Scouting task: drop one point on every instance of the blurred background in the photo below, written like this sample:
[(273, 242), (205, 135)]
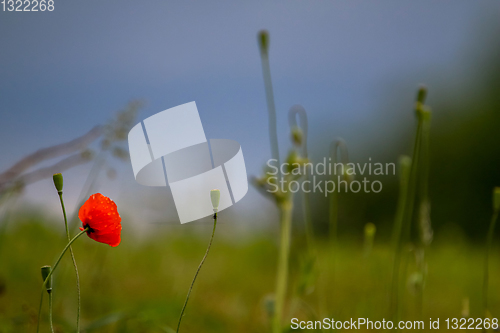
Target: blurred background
[(354, 66)]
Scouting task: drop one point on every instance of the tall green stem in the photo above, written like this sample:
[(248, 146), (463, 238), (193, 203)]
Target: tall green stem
[(196, 274), (409, 205), (489, 241), (74, 262), (299, 138), (44, 284), (266, 72), (337, 145), (424, 221), (283, 260), (406, 223), (405, 165)]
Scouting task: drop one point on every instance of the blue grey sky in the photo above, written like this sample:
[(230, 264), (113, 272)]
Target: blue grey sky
[(63, 72)]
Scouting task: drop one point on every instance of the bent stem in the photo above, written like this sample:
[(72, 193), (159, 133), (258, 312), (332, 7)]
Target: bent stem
[(486, 260), (283, 258), (197, 271), (44, 284), (74, 263)]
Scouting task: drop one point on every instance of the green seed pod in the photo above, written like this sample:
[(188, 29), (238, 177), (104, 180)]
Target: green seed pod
[(58, 181), (215, 197), (496, 199), (45, 272)]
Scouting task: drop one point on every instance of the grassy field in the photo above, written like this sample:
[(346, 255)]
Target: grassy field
[(140, 286)]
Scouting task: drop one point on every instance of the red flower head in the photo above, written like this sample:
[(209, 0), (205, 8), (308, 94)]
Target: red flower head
[(100, 215)]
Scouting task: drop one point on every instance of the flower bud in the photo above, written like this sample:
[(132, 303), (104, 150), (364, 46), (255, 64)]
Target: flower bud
[(58, 181), (422, 94), (215, 197), (45, 272), (263, 38), (496, 199)]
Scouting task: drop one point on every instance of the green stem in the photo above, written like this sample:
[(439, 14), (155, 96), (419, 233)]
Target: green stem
[(337, 145), (404, 175), (334, 205), (406, 217), (489, 241), (304, 127), (196, 274), (50, 312), (273, 133), (44, 284), (40, 311), (283, 260), (74, 263), (424, 218), (308, 221)]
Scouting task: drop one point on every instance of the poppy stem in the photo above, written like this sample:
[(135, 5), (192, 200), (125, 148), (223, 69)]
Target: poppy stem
[(44, 284), (50, 312), (197, 271), (74, 263)]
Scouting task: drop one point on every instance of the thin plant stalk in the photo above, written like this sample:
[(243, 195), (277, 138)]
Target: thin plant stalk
[(301, 141), (489, 242), (285, 206), (44, 284), (74, 262), (424, 207), (404, 175), (196, 274), (50, 313), (266, 72), (283, 261), (406, 225), (409, 205), (404, 171), (338, 144)]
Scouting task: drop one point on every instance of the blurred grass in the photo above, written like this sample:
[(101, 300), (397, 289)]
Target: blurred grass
[(140, 286)]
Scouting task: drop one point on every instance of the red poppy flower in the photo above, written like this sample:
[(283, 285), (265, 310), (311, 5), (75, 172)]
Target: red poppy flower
[(100, 215)]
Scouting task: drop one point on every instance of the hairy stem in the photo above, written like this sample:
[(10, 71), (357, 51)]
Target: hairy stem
[(44, 284), (74, 263), (50, 312), (196, 274)]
